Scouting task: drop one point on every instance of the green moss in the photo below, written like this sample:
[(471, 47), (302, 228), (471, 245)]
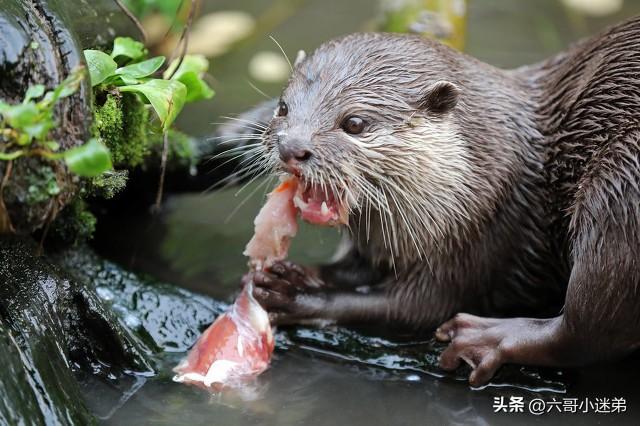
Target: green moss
[(42, 185), (108, 184), (74, 224), (122, 122), (107, 121)]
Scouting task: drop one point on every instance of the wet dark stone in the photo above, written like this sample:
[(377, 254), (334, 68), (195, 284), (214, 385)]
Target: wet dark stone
[(52, 326), (408, 356), (165, 317)]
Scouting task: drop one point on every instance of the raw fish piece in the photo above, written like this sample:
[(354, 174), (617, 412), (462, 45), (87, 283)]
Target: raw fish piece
[(275, 225), (234, 349), (239, 344)]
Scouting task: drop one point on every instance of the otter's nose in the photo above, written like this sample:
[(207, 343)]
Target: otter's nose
[(292, 152)]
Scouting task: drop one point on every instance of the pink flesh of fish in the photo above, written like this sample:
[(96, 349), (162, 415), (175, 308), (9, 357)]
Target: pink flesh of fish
[(238, 345), (275, 225), (234, 349)]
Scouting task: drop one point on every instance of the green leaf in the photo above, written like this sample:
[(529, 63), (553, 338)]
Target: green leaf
[(10, 155), (100, 66), (70, 84), (52, 145), (196, 63), (129, 48), (33, 92), (168, 7), (66, 88), (23, 139), (197, 89), (126, 80), (4, 106), (166, 96), (21, 115), (39, 129), (142, 69), (189, 73), (88, 160)]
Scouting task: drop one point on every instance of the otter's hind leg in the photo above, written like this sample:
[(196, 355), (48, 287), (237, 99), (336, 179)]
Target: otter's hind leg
[(601, 318)]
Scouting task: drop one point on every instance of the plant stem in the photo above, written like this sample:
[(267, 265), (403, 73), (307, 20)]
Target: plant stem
[(135, 20), (5, 220), (163, 170), (184, 39)]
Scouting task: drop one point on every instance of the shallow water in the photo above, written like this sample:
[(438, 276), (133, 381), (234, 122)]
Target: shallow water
[(313, 380)]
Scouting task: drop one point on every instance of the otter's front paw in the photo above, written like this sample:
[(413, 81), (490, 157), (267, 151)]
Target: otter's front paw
[(480, 342), (487, 343), (290, 293)]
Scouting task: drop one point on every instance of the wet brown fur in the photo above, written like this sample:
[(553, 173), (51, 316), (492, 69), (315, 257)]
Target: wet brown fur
[(549, 205)]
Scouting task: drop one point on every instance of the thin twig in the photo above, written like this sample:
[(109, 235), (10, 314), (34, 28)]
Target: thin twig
[(184, 39), (175, 19), (163, 170), (7, 175), (134, 18), (51, 214), (183, 43), (7, 226)]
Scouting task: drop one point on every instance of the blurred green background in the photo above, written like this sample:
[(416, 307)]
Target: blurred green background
[(505, 33)]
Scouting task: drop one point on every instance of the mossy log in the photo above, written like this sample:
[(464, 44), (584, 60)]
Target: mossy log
[(50, 324), (41, 43)]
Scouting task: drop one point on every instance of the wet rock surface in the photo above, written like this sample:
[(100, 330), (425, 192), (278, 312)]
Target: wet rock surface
[(164, 317), (411, 356), (50, 327)]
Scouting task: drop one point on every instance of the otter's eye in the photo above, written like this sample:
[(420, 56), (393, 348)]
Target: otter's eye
[(353, 125), (283, 109)]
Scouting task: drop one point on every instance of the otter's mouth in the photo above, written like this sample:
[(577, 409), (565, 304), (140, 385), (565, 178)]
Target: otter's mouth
[(320, 206)]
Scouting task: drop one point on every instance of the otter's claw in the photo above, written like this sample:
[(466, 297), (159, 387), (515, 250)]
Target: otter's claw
[(289, 292), (480, 342)]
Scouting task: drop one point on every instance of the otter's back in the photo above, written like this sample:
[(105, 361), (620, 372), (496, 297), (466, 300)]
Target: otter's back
[(590, 104)]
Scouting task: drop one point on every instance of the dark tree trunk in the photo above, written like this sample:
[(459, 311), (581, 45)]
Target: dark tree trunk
[(41, 42)]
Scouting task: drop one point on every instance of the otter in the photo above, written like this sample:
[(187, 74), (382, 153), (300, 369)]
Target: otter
[(499, 207)]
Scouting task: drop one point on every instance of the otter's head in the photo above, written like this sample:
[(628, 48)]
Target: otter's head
[(369, 124)]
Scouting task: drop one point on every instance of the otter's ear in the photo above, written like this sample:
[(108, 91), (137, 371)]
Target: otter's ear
[(301, 56), (441, 97)]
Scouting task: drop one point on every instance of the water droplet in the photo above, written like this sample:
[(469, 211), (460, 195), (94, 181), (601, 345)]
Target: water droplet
[(132, 321), (105, 294)]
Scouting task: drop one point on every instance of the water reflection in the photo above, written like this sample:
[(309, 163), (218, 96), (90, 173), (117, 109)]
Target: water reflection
[(302, 389), (297, 391)]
